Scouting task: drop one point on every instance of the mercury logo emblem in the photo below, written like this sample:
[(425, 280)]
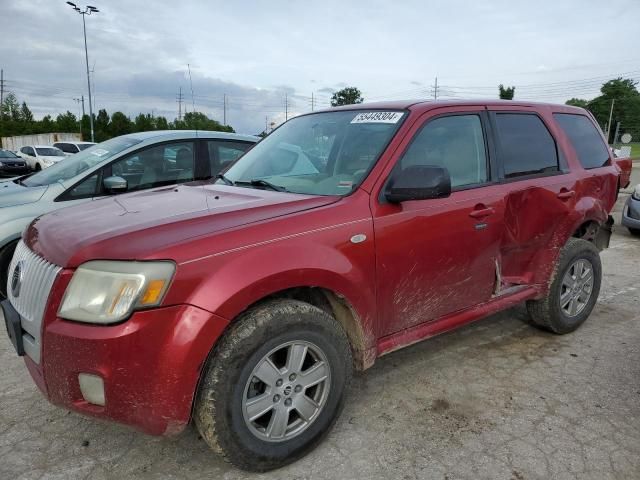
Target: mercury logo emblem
[(16, 279)]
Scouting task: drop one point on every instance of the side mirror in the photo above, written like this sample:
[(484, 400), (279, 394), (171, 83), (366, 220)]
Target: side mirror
[(115, 184), (418, 182)]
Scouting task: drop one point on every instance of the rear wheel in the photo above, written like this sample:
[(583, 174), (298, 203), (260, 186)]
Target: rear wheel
[(634, 231), (574, 290), (274, 385), (6, 254)]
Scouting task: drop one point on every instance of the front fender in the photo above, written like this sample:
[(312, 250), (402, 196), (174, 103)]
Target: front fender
[(228, 284)]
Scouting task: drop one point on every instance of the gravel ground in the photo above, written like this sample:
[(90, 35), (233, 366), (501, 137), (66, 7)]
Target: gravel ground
[(498, 399)]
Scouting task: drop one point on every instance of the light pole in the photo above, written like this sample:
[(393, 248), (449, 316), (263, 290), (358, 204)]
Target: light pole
[(88, 10)]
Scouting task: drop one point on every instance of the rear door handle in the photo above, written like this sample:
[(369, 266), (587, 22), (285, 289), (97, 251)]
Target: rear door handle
[(481, 212), (566, 194)]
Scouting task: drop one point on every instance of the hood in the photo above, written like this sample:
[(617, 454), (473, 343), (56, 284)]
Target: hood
[(12, 194), (133, 226)]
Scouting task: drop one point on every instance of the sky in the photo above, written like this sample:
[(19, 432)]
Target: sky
[(259, 53)]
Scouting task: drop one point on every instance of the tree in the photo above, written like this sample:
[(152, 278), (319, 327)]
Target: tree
[(11, 107), (47, 125), (120, 124), (625, 98), (101, 126), (66, 122), (144, 122), (578, 102), (25, 114), (161, 123), (506, 93), (199, 121), (346, 96)]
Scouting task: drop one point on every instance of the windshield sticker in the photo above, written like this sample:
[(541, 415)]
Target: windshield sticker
[(377, 117), (345, 184), (100, 152)]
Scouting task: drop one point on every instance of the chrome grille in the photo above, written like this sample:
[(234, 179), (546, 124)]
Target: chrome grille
[(32, 284)]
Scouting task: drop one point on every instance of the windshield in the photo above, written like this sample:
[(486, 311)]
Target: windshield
[(327, 153), (7, 154), (78, 163), (84, 146), (49, 152)]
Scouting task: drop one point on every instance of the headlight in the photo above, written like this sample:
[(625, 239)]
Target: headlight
[(105, 291), (636, 193)]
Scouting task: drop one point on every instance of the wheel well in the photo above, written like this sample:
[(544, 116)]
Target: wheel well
[(587, 231), (339, 308), (596, 233)]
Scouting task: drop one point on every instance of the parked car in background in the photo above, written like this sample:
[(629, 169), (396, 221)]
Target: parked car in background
[(12, 165), (631, 212), (39, 157), (123, 164), (344, 235), (69, 148)]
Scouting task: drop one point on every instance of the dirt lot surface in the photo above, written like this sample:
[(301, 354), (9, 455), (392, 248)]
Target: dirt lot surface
[(496, 400)]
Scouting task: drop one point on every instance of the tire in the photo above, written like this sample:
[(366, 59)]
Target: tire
[(38, 167), (634, 231), (6, 254), (548, 313), (230, 381)]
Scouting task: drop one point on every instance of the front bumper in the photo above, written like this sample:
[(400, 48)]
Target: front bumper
[(11, 171), (150, 365), (631, 213)]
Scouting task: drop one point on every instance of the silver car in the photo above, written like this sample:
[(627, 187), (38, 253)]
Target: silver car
[(631, 212), (123, 164)]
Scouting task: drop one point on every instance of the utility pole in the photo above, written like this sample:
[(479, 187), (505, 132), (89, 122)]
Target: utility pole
[(224, 109), (435, 90), (613, 101), (78, 100), (615, 135), (266, 124), (179, 100), (312, 101), (88, 10), (1, 94), (286, 107)]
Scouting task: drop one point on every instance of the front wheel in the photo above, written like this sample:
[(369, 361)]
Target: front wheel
[(574, 290), (38, 167), (274, 385)]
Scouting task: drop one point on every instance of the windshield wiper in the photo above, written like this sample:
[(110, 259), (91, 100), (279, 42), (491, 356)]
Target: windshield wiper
[(226, 180), (259, 182)]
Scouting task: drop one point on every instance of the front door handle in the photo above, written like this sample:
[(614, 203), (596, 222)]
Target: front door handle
[(481, 211), (566, 194)]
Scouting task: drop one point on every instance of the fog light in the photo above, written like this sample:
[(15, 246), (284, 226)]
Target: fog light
[(92, 388)]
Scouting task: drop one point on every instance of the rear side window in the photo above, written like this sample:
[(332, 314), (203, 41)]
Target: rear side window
[(526, 146), (585, 138), (224, 153)]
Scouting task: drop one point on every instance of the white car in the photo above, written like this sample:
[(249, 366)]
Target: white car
[(69, 148), (39, 157)]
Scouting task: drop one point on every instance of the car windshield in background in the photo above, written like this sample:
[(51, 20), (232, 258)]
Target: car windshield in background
[(50, 152), (80, 162), (7, 154), (84, 146), (327, 153)]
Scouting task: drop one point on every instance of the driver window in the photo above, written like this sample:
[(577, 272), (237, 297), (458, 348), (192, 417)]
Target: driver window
[(455, 143), (165, 164)]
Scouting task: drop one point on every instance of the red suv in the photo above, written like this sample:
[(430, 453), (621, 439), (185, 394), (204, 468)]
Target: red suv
[(245, 303)]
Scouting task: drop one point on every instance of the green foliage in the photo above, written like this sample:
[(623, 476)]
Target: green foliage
[(17, 119), (346, 96), (626, 107), (578, 102), (506, 93), (66, 122)]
